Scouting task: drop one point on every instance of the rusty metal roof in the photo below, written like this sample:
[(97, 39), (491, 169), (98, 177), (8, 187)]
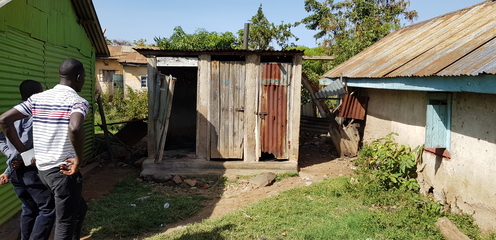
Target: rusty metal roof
[(124, 54), (462, 42)]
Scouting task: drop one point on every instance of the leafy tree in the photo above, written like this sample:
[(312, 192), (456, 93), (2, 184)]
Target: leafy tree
[(350, 26), (263, 33), (201, 39)]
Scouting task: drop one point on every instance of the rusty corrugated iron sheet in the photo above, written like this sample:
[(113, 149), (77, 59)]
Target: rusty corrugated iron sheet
[(124, 54), (275, 79), (353, 107), (457, 43), (274, 123)]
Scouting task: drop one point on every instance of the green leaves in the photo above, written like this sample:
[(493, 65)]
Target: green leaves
[(200, 39), (348, 27), (392, 164), (263, 34)]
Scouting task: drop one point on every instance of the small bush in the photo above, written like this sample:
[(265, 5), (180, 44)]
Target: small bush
[(119, 109), (391, 164)]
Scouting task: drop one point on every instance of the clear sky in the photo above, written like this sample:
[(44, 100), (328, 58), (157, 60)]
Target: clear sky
[(135, 19)]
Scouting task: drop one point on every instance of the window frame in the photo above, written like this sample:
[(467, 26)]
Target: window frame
[(438, 113)]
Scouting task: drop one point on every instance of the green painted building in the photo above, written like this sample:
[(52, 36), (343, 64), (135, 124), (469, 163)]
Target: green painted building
[(35, 37)]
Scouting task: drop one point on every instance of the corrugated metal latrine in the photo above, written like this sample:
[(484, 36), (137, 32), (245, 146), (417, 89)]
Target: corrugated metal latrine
[(274, 108), (27, 52)]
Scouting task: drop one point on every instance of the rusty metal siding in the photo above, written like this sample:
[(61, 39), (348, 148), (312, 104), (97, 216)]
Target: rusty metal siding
[(274, 108), (442, 46), (353, 107)]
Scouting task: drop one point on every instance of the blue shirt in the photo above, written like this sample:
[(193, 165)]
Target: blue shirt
[(24, 129)]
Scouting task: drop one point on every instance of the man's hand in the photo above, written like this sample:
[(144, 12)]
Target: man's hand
[(16, 164), (70, 166), (4, 179)]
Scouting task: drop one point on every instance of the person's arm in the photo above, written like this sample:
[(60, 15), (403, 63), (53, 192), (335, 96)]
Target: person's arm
[(4, 147), (7, 120), (77, 137), (5, 176)]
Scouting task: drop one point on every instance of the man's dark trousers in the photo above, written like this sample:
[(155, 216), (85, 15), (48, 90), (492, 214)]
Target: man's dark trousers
[(70, 206), (38, 212)]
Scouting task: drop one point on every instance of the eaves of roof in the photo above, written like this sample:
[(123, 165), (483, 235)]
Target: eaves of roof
[(86, 14)]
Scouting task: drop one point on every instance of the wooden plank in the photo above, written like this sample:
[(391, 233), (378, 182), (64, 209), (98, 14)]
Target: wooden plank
[(167, 97), (203, 97), (323, 58), (224, 110), (294, 111), (232, 105), (251, 128), (321, 106), (104, 128), (449, 230), (152, 74), (214, 111), (239, 112)]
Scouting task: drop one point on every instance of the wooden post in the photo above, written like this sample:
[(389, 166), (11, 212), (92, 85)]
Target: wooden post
[(152, 89), (294, 110), (449, 230), (202, 107), (321, 106), (104, 128), (251, 144)]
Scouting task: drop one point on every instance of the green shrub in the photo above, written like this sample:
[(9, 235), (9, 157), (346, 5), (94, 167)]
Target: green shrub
[(119, 109), (391, 164)]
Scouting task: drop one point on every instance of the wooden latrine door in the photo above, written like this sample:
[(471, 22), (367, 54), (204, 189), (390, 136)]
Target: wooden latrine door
[(273, 110), (227, 109)]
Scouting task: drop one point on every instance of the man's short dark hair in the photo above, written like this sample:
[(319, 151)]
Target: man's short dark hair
[(71, 67), (29, 87)]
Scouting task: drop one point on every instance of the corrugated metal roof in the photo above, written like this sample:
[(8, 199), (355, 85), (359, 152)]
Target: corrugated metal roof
[(124, 54), (334, 88), (458, 43), (89, 20), (147, 51)]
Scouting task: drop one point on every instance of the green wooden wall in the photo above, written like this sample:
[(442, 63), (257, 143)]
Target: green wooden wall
[(35, 37)]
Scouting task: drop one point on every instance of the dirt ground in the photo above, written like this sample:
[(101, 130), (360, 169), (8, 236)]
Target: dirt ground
[(317, 160)]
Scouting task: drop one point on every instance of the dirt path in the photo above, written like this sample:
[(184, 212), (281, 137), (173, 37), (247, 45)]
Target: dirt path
[(317, 161)]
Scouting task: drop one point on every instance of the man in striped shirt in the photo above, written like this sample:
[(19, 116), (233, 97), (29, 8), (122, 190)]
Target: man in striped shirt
[(58, 137)]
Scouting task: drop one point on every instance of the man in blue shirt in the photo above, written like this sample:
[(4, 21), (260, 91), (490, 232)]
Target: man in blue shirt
[(38, 206)]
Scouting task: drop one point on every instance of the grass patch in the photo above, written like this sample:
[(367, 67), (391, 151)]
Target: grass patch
[(328, 210), (281, 176), (133, 208)]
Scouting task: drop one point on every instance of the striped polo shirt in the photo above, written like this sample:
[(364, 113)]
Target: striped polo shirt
[(51, 111)]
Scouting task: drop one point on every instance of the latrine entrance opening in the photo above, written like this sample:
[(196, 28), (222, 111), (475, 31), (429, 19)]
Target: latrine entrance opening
[(182, 122)]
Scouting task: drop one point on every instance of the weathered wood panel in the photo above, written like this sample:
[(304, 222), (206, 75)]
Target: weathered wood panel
[(227, 96), (252, 150), (214, 111), (203, 93), (167, 84), (294, 110), (152, 75)]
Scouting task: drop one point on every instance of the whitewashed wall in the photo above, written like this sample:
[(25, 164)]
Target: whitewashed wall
[(466, 181)]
